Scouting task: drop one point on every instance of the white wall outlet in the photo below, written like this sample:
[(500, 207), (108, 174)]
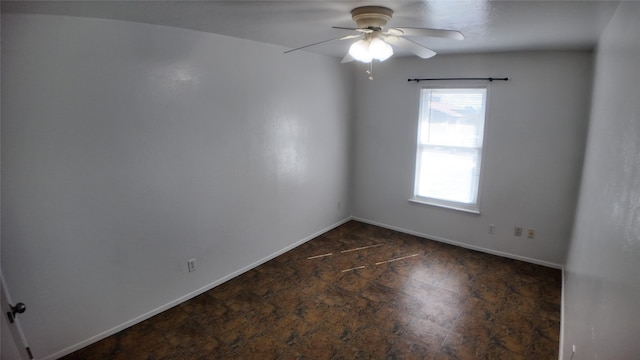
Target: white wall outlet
[(532, 233), (492, 229), (517, 231), (191, 264)]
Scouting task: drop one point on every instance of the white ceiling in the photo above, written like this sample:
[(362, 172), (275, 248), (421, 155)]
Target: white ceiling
[(488, 26)]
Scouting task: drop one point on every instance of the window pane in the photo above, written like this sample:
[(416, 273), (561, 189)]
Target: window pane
[(453, 117), (450, 135), (448, 174)]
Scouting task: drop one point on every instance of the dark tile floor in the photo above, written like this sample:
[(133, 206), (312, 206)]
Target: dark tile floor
[(360, 292)]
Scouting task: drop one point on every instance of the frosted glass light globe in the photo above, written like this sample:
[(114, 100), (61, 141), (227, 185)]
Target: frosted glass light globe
[(359, 50), (380, 50)]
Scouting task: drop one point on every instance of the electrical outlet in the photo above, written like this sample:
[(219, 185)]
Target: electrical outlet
[(191, 264), (492, 229), (532, 233), (517, 231)]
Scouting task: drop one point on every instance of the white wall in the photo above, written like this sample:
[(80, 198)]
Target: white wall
[(533, 150), (129, 148), (602, 277)]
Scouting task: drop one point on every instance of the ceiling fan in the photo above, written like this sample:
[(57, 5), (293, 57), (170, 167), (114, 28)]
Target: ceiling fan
[(377, 44)]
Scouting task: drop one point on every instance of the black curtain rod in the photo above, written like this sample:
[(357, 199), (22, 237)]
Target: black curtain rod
[(433, 79)]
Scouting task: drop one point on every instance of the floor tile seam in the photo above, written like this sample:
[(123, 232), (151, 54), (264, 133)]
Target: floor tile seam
[(444, 341), (451, 328), (483, 339), (413, 337)]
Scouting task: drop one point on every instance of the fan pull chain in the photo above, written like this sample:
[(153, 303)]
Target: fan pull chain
[(370, 71)]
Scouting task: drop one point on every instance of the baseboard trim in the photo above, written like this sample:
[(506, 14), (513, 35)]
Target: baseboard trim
[(460, 244), (189, 296), (562, 313)]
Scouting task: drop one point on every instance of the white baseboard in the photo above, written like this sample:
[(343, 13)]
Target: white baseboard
[(460, 244), (188, 296)]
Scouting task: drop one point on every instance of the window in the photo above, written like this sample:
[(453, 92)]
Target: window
[(449, 150)]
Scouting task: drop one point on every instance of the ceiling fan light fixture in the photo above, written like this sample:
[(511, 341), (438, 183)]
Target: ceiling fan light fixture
[(380, 50), (367, 50), (359, 50)]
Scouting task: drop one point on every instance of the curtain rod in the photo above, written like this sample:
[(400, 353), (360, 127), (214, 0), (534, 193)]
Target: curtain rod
[(432, 79)]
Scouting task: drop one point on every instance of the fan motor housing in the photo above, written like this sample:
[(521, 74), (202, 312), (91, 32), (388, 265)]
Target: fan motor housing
[(371, 16)]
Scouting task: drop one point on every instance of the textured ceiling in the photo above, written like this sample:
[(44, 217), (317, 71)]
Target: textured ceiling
[(488, 26)]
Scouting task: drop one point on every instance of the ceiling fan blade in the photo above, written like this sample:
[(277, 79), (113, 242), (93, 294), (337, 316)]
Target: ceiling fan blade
[(437, 33), (347, 58), (323, 41), (363, 30), (410, 46)]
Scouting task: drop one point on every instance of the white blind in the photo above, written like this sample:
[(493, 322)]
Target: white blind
[(450, 135)]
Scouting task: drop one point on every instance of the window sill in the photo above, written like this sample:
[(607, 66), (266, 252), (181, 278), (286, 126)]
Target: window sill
[(450, 206)]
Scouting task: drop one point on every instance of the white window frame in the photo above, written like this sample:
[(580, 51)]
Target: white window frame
[(461, 206)]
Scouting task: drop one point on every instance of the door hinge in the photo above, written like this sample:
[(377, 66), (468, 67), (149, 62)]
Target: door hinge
[(29, 352)]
